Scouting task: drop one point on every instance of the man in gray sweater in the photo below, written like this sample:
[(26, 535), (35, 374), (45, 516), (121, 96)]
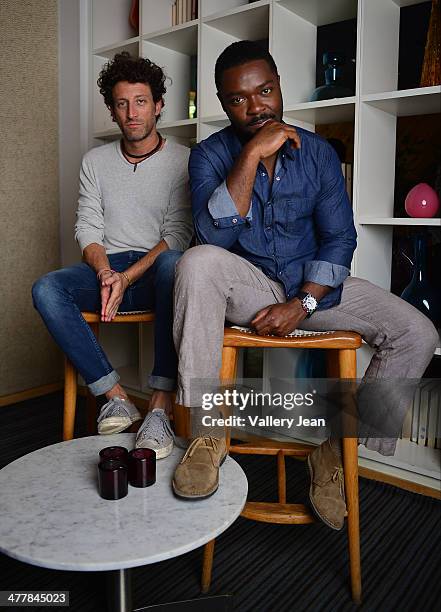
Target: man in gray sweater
[(133, 222)]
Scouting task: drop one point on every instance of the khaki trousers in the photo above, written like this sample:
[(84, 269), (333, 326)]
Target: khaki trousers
[(213, 285)]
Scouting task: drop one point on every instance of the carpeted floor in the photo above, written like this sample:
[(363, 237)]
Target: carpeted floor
[(268, 568)]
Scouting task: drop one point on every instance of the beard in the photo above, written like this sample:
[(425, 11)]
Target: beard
[(136, 136)]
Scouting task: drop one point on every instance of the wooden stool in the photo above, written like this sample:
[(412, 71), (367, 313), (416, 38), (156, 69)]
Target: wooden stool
[(70, 373), (341, 359)]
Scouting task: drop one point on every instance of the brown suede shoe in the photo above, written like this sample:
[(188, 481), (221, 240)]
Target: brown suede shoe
[(197, 475), (326, 493)]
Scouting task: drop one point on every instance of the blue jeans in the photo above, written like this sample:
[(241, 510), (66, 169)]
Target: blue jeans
[(60, 297)]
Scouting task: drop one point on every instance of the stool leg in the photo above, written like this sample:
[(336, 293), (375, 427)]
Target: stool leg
[(91, 407), (70, 399), (348, 369), (281, 477), (227, 374), (332, 365), (207, 566), (350, 467), (181, 421)]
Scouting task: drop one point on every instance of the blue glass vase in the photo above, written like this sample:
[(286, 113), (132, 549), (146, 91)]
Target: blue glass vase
[(333, 76), (420, 292)]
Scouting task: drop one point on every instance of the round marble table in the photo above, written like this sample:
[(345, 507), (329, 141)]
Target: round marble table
[(52, 515)]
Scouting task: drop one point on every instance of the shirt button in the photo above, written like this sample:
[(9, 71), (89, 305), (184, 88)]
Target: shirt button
[(277, 178), (268, 229), (268, 203), (262, 174)]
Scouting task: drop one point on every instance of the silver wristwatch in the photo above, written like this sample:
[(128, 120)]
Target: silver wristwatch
[(308, 302)]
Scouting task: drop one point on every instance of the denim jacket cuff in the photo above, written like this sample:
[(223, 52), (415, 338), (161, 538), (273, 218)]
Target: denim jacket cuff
[(325, 273)]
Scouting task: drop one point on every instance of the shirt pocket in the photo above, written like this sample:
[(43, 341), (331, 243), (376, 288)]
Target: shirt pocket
[(299, 214)]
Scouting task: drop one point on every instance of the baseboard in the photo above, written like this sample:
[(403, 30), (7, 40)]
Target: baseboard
[(21, 396)]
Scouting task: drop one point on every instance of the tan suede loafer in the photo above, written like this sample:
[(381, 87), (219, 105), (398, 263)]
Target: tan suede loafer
[(197, 474), (326, 492)]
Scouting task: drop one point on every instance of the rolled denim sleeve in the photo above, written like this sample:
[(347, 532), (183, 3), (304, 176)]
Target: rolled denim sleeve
[(334, 225), (325, 273), (221, 205), (215, 215)]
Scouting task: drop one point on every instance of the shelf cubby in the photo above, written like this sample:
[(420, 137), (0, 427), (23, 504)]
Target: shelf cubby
[(177, 67), (247, 22), (182, 38), (208, 8), (155, 16), (101, 119), (321, 13), (110, 22), (405, 102), (337, 110), (302, 30), (131, 45), (385, 40)]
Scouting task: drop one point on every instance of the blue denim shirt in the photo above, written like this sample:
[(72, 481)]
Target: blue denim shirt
[(298, 228)]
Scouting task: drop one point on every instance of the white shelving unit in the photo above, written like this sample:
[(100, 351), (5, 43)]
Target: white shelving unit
[(290, 26)]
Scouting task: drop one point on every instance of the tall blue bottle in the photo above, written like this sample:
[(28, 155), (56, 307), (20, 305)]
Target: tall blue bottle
[(420, 292)]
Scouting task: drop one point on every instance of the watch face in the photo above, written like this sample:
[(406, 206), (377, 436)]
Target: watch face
[(310, 302)]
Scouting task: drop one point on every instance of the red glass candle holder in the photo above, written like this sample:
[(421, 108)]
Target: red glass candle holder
[(119, 453), (142, 467), (112, 479)]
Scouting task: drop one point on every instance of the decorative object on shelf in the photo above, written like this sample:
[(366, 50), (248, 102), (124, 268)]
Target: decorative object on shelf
[(431, 72), (333, 74), (134, 15), (420, 292), (422, 201), (192, 114)]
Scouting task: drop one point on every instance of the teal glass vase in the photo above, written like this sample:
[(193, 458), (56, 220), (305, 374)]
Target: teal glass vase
[(333, 78)]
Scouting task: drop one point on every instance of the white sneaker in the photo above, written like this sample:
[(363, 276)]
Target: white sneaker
[(117, 415), (156, 433)]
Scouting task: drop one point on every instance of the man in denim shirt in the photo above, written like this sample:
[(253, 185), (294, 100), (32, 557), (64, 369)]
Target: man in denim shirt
[(276, 236)]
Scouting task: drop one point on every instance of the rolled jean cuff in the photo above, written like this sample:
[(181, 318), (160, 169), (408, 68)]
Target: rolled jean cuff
[(105, 383), (161, 383)]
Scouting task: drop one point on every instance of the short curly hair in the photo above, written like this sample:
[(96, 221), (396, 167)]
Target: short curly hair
[(242, 52), (124, 67)]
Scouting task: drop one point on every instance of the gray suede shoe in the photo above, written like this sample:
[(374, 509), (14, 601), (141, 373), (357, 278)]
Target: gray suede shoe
[(326, 492), (117, 415), (197, 475)]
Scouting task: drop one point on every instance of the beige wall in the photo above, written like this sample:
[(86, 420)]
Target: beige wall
[(29, 227)]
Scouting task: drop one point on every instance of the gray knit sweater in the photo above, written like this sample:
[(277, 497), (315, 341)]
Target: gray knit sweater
[(125, 210)]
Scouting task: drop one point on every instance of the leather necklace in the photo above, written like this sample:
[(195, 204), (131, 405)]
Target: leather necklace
[(141, 157)]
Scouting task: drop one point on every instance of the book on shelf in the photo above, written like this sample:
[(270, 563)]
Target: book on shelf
[(194, 9), (183, 11)]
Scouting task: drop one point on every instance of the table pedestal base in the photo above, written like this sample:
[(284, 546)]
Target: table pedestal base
[(119, 598), (119, 591), (218, 603)]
